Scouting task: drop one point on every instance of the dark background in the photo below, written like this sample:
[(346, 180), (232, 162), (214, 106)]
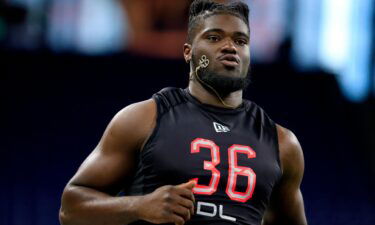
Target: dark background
[(55, 106)]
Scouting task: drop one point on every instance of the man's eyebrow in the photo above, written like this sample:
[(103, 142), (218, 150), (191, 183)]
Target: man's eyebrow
[(218, 30)]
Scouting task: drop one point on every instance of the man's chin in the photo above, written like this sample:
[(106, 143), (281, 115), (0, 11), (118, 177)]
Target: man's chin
[(225, 83), (231, 74)]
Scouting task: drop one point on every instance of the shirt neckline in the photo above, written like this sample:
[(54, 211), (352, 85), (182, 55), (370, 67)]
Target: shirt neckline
[(212, 108)]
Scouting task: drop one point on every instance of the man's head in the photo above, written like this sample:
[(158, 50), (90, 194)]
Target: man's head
[(202, 9), (221, 32)]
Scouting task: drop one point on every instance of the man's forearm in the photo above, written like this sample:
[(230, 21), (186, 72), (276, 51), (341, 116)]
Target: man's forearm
[(86, 206)]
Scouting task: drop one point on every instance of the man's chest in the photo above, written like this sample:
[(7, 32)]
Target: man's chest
[(226, 159)]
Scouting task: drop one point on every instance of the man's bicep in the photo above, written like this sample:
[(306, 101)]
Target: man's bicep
[(103, 172), (286, 203), (113, 161)]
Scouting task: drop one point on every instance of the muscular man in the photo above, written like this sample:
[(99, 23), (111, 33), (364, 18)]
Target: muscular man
[(200, 155)]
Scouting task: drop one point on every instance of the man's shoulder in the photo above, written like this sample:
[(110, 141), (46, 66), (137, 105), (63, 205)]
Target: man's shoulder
[(289, 146), (133, 122), (141, 106), (135, 111), (286, 136)]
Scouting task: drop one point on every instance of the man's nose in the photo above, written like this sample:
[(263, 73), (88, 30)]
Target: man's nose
[(229, 47)]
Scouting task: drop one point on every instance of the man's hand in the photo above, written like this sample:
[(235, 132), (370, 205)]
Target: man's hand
[(168, 204)]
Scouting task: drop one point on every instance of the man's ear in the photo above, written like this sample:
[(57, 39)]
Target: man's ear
[(187, 52)]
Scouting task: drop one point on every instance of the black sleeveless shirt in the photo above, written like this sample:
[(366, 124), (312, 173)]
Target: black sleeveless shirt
[(232, 154)]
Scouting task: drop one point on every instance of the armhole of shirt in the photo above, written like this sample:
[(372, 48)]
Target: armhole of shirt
[(153, 133), (277, 147), (164, 100)]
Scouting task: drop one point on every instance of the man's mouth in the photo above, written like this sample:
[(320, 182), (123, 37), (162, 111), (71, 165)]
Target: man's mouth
[(229, 60)]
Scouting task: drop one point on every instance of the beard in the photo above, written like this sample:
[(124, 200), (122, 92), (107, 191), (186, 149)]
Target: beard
[(223, 85)]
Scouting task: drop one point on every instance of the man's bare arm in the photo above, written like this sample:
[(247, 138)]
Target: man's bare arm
[(286, 204), (89, 198)]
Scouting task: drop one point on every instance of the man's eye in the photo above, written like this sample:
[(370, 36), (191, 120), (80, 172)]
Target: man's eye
[(213, 38), (241, 42)]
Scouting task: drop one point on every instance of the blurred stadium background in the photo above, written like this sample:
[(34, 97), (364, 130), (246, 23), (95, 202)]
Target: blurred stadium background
[(67, 66)]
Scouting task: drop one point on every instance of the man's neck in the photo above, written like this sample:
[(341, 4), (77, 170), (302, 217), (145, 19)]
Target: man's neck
[(233, 100)]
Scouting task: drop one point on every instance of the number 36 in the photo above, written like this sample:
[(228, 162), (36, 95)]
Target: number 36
[(234, 170)]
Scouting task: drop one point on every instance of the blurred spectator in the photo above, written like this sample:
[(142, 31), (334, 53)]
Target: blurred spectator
[(158, 27)]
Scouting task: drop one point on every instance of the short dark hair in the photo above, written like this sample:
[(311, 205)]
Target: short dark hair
[(202, 9)]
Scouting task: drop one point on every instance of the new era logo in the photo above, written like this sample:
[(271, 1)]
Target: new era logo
[(220, 128)]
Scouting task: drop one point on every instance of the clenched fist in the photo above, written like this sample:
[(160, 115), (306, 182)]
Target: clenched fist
[(168, 204)]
